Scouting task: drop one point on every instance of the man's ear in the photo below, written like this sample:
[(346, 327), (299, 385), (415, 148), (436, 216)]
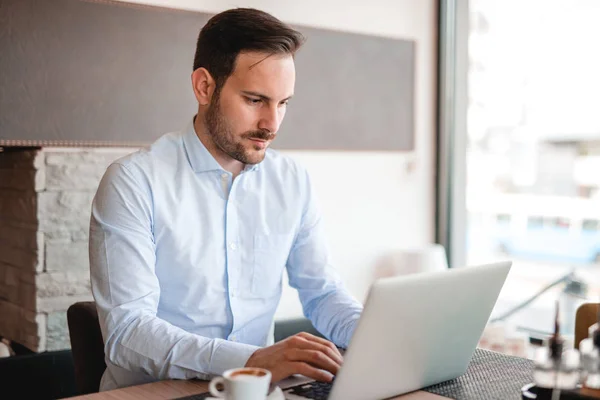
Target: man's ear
[(203, 85)]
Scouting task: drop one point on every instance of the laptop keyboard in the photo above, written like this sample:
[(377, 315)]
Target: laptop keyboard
[(312, 390)]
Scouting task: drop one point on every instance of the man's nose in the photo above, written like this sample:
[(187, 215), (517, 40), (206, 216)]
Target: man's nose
[(270, 120)]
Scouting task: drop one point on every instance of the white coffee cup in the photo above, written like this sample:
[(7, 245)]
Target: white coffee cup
[(242, 384)]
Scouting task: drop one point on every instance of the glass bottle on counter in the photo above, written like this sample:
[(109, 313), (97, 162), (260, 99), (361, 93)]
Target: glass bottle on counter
[(590, 358), (555, 367)]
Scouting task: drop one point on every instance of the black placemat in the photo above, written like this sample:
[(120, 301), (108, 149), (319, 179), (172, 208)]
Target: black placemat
[(490, 375)]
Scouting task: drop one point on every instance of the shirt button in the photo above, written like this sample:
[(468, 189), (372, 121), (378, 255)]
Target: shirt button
[(224, 176), (232, 246), (233, 338)]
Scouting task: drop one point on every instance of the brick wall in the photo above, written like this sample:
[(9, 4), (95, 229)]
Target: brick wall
[(45, 200)]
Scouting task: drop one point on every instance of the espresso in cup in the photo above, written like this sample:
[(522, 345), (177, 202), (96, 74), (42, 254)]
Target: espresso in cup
[(248, 372), (242, 384)]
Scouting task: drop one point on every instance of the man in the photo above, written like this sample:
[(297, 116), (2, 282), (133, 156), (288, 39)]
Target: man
[(189, 237)]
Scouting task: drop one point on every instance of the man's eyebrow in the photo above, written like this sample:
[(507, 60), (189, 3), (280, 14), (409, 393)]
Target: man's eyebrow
[(262, 96)]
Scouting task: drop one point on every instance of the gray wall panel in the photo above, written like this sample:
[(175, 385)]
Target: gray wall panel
[(97, 73)]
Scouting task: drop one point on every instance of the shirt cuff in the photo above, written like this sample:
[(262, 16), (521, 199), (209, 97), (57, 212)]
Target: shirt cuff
[(350, 332), (229, 355)]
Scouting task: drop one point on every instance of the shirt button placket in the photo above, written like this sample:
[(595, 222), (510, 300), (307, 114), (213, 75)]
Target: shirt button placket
[(233, 257), (225, 183)]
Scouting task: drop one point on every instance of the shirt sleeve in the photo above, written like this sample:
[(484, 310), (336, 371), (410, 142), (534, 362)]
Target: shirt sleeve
[(127, 290), (325, 300)]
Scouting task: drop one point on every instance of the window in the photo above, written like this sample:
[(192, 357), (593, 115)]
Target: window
[(535, 222), (557, 222), (503, 218), (533, 153), (590, 225)]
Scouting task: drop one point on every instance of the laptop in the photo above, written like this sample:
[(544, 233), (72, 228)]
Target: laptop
[(415, 331)]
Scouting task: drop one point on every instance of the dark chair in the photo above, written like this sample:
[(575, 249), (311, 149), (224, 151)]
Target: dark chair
[(290, 327), (41, 376), (86, 345), (88, 348), (586, 316)]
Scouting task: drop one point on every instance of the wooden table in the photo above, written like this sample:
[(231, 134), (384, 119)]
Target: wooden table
[(174, 389)]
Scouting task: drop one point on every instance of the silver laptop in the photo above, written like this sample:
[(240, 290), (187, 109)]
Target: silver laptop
[(415, 331)]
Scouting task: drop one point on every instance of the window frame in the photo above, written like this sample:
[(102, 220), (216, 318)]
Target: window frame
[(451, 140)]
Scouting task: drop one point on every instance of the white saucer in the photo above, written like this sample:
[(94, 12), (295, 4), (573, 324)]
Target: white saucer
[(276, 394)]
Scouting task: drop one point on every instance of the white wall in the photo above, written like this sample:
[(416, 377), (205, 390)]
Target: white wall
[(373, 202)]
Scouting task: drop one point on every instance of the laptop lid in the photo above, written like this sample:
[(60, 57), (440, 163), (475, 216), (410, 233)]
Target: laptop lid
[(418, 330)]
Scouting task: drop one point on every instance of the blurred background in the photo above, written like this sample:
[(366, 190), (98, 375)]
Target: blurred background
[(533, 154), (502, 155)]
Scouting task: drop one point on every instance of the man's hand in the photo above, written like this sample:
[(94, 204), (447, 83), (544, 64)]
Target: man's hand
[(303, 353)]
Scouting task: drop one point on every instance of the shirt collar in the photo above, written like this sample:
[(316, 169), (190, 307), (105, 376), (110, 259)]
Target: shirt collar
[(200, 158)]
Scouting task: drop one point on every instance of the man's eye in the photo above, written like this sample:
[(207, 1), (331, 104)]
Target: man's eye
[(253, 101)]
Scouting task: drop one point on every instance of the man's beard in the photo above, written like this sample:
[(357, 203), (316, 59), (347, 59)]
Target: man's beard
[(221, 133)]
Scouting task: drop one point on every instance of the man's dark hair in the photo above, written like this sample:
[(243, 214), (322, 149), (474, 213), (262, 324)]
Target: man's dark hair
[(231, 32)]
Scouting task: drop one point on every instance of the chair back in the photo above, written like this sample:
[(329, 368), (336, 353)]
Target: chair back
[(586, 316), (290, 327), (86, 345)]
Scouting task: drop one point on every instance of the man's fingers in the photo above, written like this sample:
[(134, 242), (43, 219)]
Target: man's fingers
[(320, 340), (315, 358), (323, 342), (289, 368), (302, 343), (310, 371)]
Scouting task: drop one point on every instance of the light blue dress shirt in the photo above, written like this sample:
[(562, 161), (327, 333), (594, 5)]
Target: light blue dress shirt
[(187, 264)]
